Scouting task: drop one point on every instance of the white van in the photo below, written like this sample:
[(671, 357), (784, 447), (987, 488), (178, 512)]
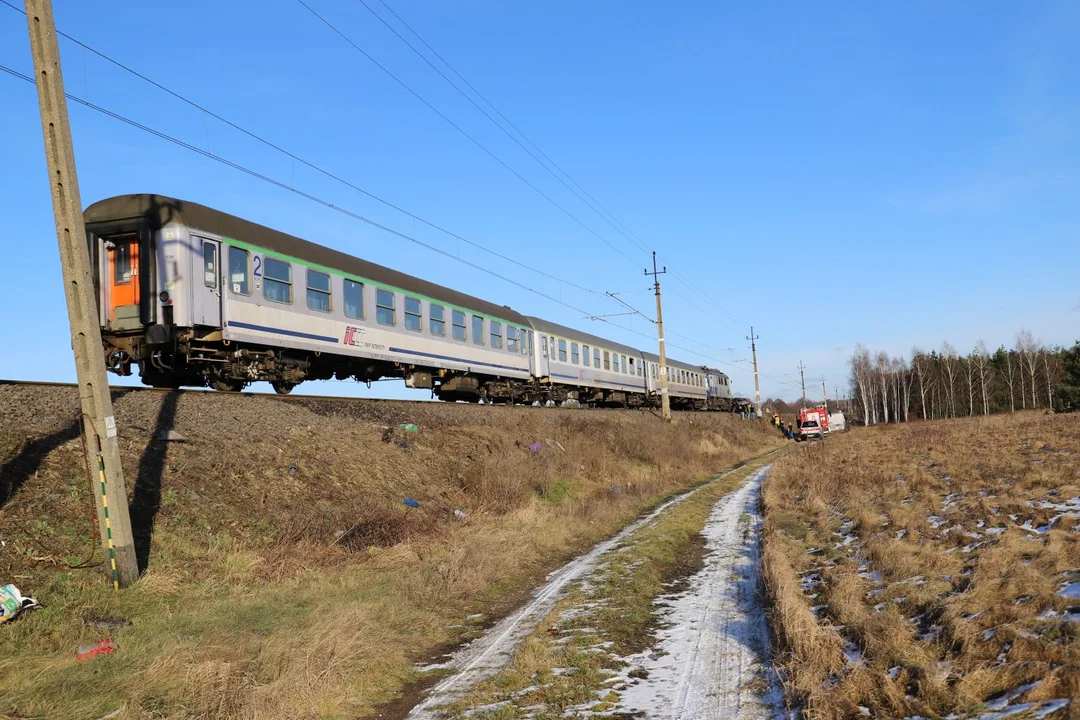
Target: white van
[(837, 423)]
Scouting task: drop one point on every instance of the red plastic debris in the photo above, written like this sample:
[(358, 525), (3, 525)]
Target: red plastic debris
[(85, 652)]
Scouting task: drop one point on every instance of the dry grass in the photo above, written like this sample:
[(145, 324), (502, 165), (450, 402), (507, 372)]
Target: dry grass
[(286, 577), (931, 555)]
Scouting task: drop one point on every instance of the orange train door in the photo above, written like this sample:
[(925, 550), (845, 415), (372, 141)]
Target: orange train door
[(123, 265)]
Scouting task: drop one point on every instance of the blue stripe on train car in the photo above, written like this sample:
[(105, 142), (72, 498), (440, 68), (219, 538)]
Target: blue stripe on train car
[(279, 331), (605, 382), (455, 359)]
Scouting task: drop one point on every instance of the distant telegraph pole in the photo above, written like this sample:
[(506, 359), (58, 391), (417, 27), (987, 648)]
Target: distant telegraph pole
[(802, 376), (665, 401), (757, 386), (824, 395), (98, 422)]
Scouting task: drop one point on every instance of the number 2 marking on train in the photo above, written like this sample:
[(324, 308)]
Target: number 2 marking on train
[(257, 262)]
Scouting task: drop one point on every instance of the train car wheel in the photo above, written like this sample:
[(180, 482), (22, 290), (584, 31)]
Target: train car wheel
[(282, 388)]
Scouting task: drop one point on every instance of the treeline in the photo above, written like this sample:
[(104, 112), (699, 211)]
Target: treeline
[(944, 383)]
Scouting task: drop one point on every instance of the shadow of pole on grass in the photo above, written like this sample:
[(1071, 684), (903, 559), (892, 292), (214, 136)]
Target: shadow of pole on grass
[(147, 497)]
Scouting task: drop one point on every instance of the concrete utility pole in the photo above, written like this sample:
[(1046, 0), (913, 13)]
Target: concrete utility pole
[(757, 387), (665, 400), (98, 422), (802, 376), (824, 396)]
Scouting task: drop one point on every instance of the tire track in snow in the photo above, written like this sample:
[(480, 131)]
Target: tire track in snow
[(711, 658), (484, 657)]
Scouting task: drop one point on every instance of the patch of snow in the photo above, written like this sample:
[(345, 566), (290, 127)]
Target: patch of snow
[(935, 521), (1071, 591), (852, 654), (716, 640)]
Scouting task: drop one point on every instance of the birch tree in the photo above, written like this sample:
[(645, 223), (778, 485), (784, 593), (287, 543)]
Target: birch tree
[(1029, 358), (949, 362), (981, 360)]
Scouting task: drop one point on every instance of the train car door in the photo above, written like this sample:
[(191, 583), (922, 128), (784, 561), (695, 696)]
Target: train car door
[(122, 291), (542, 357), (206, 305)]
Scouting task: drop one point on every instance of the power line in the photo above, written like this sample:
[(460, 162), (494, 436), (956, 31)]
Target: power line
[(308, 163), (285, 186), (606, 215), (356, 216), (612, 220), (482, 111), (635, 239), (461, 130)]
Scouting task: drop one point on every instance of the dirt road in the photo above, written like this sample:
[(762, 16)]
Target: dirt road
[(708, 661), (711, 658)]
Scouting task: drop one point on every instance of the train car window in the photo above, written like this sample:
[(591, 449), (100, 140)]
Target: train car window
[(622, 360), (526, 341), (596, 358), (121, 263), (585, 357), (354, 299), (640, 371), (496, 334), (574, 353), (543, 344), (277, 280), (318, 291), (511, 338), (562, 350), (239, 271), (438, 325), (607, 360), (413, 320), (384, 307), (458, 319), (209, 259), (477, 330), (632, 366)]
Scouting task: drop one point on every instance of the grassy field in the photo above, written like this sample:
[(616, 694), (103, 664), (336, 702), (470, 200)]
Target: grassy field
[(924, 570), (285, 576)]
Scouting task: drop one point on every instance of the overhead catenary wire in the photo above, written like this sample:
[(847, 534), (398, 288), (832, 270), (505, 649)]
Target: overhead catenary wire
[(466, 134), (307, 163), (484, 112), (606, 214), (297, 191), (339, 179), (345, 182), (337, 208)]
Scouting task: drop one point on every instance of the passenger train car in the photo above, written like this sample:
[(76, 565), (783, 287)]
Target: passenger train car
[(195, 297)]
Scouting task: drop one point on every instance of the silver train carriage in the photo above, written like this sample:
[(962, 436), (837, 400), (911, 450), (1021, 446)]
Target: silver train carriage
[(194, 296)]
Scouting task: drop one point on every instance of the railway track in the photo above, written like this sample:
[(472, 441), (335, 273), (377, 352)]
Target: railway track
[(294, 398), (245, 393)]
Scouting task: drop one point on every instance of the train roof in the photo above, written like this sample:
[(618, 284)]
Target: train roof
[(160, 211), (713, 371), (584, 337), (673, 363)]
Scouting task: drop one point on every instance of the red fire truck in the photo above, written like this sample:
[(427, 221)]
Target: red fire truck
[(813, 423)]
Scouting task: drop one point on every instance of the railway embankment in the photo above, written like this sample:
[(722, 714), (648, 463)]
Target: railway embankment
[(285, 573)]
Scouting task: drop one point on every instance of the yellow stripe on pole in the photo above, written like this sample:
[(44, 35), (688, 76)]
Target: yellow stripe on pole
[(108, 525)]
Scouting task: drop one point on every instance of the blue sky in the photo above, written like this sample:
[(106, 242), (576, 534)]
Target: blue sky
[(835, 174)]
